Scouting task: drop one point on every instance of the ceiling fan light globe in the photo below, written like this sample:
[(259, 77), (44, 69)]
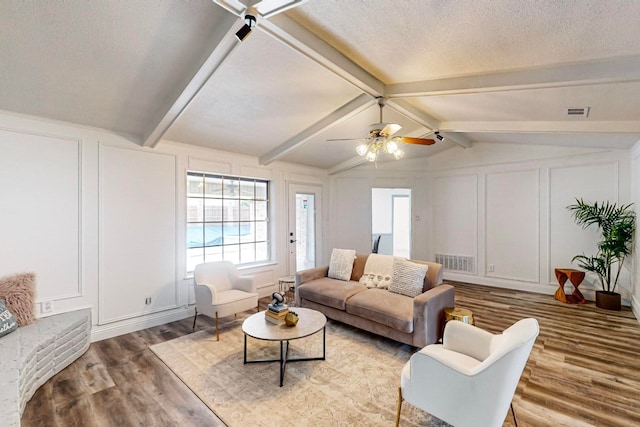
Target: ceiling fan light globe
[(362, 149), (398, 154), (370, 156), (392, 147)]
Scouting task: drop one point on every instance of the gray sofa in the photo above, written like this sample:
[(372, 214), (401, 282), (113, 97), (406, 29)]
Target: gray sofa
[(415, 321)]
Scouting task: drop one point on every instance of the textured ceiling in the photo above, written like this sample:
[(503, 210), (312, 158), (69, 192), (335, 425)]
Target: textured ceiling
[(480, 71)]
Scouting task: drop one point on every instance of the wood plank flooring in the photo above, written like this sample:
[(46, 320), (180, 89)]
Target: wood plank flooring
[(584, 370)]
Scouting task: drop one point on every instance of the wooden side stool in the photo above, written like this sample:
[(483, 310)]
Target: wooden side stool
[(575, 278)]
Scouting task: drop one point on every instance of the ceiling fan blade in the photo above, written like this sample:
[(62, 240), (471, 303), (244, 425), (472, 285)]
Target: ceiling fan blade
[(390, 129), (418, 141)]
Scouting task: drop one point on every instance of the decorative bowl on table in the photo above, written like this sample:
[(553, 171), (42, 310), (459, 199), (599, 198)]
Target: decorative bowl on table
[(291, 319)]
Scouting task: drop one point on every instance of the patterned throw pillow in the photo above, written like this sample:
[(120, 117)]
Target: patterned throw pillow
[(341, 264), (407, 278), (8, 322)]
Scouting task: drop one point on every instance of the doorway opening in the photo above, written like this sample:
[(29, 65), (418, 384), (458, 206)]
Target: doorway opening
[(304, 227), (391, 221)]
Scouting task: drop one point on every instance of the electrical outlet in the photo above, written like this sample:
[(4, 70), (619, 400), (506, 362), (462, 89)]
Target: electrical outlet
[(147, 301), (492, 268), (46, 307)]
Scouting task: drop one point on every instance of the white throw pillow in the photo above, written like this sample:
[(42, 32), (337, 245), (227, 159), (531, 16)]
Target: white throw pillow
[(377, 271), (407, 278), (341, 264)]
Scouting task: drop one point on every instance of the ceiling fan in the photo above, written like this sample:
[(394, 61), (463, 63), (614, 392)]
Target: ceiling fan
[(383, 139)]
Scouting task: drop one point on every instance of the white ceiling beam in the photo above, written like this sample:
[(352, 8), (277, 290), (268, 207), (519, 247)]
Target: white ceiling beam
[(221, 45), (624, 69), (577, 126), (347, 111), (405, 108), (266, 8), (294, 35), (347, 164)]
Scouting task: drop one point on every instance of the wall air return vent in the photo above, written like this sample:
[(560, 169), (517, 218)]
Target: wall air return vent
[(578, 112), (457, 263)]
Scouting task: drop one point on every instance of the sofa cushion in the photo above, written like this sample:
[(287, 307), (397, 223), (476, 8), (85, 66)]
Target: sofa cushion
[(341, 264), (384, 307), (329, 292)]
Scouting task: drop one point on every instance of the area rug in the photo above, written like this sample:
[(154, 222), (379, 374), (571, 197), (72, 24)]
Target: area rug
[(356, 385)]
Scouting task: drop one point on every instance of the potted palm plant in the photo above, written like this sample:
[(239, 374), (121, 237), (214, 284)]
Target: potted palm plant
[(617, 226)]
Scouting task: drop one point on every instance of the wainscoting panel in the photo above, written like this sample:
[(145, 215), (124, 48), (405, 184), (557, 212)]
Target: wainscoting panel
[(40, 229), (592, 182), (455, 215), (513, 225), (137, 233)]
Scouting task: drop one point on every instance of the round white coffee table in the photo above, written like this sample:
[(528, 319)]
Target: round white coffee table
[(309, 323)]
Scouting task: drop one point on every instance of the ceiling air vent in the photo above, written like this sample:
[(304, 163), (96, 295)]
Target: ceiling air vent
[(578, 112)]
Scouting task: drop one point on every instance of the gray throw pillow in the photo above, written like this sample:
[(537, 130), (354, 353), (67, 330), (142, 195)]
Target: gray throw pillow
[(8, 322)]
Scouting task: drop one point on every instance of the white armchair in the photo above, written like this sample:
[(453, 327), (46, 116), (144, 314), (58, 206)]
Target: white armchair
[(221, 291), (471, 378)]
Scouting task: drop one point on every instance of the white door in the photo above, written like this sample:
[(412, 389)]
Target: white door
[(304, 226)]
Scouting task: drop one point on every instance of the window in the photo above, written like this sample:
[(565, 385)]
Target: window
[(227, 219)]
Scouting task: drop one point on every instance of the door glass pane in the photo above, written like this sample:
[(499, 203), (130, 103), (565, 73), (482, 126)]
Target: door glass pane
[(305, 232)]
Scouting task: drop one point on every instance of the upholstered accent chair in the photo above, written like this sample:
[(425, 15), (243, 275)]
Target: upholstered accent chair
[(221, 291), (470, 379)]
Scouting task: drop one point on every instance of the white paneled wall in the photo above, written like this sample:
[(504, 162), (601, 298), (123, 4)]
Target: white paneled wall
[(592, 181), (351, 215), (101, 221), (137, 233), (512, 228), (455, 214), (524, 229), (40, 227)]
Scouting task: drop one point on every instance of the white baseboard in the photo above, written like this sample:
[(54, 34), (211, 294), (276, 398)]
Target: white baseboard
[(588, 292), (501, 283), (101, 332)]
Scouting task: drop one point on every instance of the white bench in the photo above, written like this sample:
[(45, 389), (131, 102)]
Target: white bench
[(34, 353)]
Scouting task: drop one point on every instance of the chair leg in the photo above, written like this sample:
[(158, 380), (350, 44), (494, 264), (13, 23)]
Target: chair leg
[(514, 415), (400, 399), (194, 319), (217, 333)]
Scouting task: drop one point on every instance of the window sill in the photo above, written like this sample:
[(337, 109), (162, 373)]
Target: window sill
[(247, 267)]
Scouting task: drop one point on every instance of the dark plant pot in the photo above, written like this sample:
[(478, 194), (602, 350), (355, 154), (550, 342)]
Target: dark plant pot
[(608, 300)]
